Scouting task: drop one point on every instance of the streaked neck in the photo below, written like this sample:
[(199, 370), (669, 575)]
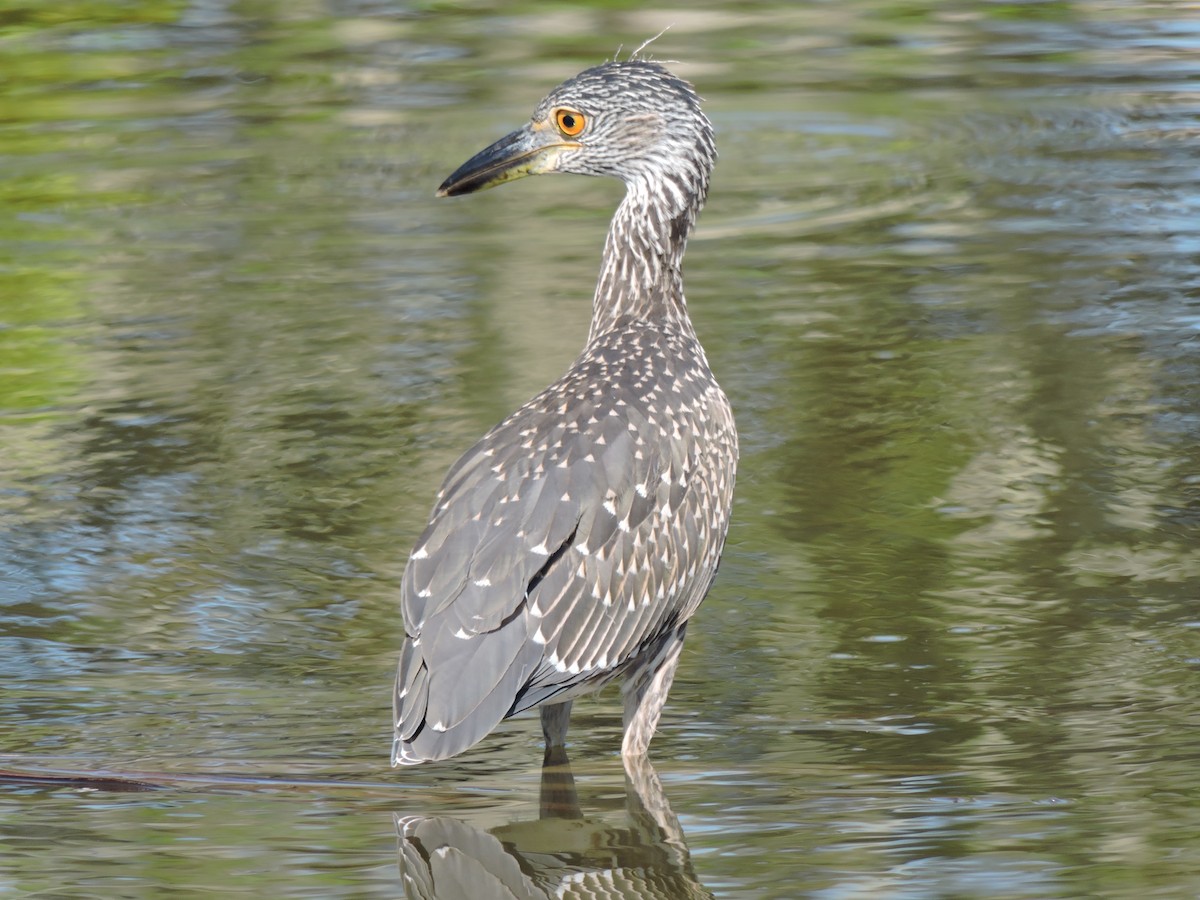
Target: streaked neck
[(640, 274)]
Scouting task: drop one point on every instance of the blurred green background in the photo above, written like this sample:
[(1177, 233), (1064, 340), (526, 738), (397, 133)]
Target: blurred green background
[(949, 275)]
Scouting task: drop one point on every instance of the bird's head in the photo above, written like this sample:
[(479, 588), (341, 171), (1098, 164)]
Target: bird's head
[(630, 120)]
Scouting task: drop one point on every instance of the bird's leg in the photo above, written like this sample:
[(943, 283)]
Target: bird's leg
[(555, 719), (645, 691)]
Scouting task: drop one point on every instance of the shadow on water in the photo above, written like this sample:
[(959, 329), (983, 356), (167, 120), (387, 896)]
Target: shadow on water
[(562, 853), (34, 772)]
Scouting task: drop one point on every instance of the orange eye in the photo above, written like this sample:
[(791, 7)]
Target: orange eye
[(569, 121)]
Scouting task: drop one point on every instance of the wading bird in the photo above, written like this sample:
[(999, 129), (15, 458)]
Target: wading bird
[(573, 543)]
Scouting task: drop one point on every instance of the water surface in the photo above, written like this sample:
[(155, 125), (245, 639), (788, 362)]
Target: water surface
[(949, 275)]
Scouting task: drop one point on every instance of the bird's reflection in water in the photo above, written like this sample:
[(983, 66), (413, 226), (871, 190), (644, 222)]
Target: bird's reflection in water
[(560, 854)]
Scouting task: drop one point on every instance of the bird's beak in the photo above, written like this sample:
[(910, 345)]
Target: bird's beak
[(527, 151)]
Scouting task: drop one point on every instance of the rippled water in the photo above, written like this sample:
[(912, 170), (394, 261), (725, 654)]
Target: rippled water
[(949, 274)]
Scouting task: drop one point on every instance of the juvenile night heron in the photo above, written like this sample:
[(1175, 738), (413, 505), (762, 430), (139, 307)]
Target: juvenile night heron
[(573, 543)]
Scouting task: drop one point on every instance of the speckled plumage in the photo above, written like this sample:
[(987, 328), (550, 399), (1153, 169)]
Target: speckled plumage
[(574, 541)]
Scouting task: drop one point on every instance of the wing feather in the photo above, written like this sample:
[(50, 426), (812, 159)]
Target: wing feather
[(560, 546)]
